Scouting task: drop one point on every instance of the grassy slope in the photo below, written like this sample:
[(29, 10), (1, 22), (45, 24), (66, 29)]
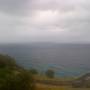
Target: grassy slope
[(42, 77), (44, 87), (49, 87)]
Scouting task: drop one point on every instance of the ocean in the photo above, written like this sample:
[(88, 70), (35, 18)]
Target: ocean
[(65, 59)]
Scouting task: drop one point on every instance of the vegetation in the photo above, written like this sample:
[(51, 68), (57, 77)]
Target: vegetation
[(7, 62), (13, 77), (45, 83), (41, 87), (34, 71), (83, 81), (50, 73)]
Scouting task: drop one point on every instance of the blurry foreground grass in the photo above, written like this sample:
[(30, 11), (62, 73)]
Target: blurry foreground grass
[(42, 86), (47, 87)]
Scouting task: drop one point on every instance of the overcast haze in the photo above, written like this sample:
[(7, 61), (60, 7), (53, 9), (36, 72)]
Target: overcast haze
[(44, 21)]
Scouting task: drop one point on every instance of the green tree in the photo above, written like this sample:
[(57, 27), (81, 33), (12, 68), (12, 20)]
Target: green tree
[(50, 73)]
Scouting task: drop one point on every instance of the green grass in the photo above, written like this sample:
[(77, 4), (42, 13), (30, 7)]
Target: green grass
[(49, 87), (42, 87), (43, 77)]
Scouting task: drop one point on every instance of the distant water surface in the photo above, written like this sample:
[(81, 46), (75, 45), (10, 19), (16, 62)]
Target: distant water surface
[(65, 59)]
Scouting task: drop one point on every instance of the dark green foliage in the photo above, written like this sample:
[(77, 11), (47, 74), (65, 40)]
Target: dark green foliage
[(12, 77), (50, 73), (34, 71), (6, 61)]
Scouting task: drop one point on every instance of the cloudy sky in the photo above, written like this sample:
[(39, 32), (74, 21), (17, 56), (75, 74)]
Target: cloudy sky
[(24, 21)]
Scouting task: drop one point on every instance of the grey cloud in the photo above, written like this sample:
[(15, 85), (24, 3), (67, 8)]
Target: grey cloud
[(76, 25), (44, 20), (14, 6), (63, 5)]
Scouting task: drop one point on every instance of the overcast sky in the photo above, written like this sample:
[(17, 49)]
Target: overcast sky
[(24, 21)]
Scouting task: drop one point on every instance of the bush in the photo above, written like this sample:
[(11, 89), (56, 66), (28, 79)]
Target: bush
[(7, 61), (16, 78), (34, 71), (50, 73)]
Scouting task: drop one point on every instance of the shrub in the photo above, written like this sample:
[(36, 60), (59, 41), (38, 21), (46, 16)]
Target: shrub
[(50, 73), (12, 77), (34, 71)]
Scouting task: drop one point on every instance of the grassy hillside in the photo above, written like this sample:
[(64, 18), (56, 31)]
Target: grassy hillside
[(13, 77), (45, 83), (48, 87)]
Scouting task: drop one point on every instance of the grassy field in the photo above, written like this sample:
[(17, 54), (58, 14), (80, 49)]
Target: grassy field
[(46, 87), (40, 77), (40, 86)]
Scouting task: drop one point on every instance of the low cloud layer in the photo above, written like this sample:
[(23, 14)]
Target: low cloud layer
[(44, 21)]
